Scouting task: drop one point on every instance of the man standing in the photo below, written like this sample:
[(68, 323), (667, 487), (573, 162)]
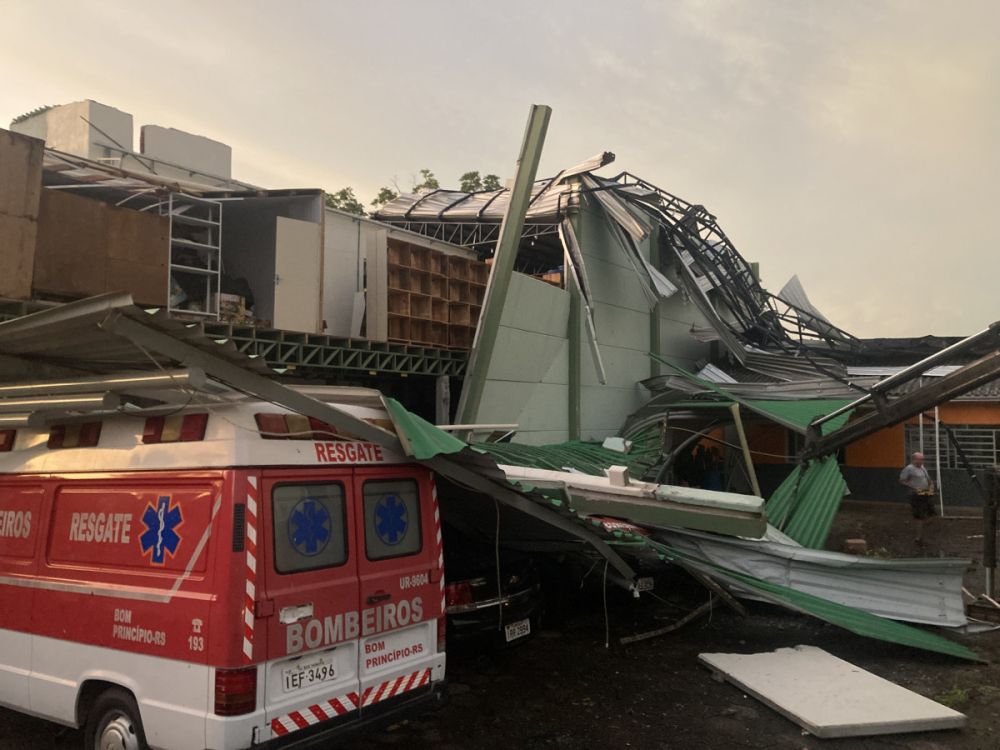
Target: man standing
[(915, 478)]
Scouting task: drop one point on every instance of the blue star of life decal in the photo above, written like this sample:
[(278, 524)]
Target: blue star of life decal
[(160, 537), (391, 520), (309, 527)]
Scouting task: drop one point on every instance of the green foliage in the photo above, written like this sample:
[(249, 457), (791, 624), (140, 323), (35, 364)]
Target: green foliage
[(427, 182), (491, 182), (345, 200), (385, 194), (471, 182)]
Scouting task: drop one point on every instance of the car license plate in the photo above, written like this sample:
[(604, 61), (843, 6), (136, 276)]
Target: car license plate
[(517, 630), (313, 672)]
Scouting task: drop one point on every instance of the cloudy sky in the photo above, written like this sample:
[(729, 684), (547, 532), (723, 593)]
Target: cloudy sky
[(856, 144)]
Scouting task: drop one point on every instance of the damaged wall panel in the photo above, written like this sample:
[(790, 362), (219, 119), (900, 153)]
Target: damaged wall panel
[(86, 247), (527, 381), (623, 316), (20, 186)]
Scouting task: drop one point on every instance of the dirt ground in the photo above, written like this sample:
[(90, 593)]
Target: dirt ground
[(564, 689)]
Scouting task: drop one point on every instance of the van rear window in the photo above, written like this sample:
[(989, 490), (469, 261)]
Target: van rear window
[(392, 518), (309, 527)]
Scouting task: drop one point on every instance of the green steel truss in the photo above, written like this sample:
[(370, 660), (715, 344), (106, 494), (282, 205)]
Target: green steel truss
[(314, 354)]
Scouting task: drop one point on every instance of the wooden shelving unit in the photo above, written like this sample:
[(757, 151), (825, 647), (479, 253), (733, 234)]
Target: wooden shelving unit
[(434, 299)]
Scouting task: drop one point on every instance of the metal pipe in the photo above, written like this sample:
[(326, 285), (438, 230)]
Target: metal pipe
[(503, 264), (937, 457), (919, 367), (735, 409), (60, 403), (191, 377)]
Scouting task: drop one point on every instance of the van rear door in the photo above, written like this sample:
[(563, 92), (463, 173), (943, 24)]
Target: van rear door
[(400, 573), (312, 596)]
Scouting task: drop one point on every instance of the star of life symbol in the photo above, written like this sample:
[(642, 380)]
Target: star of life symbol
[(391, 520), (160, 537), (309, 527)]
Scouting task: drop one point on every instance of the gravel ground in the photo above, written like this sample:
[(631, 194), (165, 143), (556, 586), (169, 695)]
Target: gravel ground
[(564, 689)]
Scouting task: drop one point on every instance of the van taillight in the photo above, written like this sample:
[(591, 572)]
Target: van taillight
[(7, 440), (75, 435), (458, 593), (442, 633), (175, 428), (235, 691)]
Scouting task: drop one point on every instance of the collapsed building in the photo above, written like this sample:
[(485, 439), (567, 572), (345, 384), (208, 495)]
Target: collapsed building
[(633, 332)]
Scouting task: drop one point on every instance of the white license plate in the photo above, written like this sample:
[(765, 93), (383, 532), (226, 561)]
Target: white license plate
[(316, 670), (517, 630)]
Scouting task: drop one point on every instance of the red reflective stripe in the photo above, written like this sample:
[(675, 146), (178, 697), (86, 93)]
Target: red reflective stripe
[(409, 682), (338, 707), (299, 719), (319, 713), (425, 678), (278, 728), (353, 698)]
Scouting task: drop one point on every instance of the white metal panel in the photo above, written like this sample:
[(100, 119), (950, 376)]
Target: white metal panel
[(830, 697), (341, 259), (172, 696), (297, 267)]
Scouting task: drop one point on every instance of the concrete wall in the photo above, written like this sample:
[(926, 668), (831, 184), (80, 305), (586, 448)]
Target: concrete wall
[(528, 378), (186, 150), (624, 319), (20, 189), (85, 128), (528, 381)]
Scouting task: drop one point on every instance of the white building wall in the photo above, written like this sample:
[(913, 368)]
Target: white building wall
[(183, 149)]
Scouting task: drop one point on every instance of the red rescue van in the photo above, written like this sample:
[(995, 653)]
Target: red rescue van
[(220, 577)]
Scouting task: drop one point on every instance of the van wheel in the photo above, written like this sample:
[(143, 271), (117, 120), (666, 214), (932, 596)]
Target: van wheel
[(114, 724)]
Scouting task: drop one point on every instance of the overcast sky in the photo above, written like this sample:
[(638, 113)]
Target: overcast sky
[(856, 144)]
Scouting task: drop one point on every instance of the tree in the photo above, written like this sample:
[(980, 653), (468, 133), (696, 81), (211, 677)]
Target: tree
[(470, 182), (385, 194), (428, 182), (491, 182), (345, 200)]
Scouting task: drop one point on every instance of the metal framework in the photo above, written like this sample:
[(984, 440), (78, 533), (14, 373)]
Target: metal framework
[(759, 317), (472, 234), (312, 354)]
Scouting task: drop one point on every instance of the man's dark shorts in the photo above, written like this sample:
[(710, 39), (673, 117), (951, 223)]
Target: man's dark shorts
[(922, 506)]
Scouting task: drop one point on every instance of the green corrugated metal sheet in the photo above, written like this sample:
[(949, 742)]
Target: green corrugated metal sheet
[(793, 414), (855, 620), (590, 458), (421, 439), (805, 411), (862, 623), (804, 505)]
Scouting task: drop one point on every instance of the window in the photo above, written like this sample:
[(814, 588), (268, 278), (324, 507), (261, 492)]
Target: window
[(309, 527), (981, 445), (392, 518)]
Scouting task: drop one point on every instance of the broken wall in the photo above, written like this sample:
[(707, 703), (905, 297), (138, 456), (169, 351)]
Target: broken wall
[(626, 327), (528, 377), (20, 190), (85, 247)]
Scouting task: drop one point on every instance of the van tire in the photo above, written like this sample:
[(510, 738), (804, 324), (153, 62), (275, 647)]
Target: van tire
[(113, 723)]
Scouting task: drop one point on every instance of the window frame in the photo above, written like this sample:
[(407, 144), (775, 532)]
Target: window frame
[(344, 498), (364, 517)]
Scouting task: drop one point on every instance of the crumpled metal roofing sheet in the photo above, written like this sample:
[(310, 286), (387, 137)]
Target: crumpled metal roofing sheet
[(549, 202), (804, 505), (925, 590), (70, 336)]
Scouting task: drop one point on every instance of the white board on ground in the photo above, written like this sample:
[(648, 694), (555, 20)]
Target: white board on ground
[(830, 697)]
